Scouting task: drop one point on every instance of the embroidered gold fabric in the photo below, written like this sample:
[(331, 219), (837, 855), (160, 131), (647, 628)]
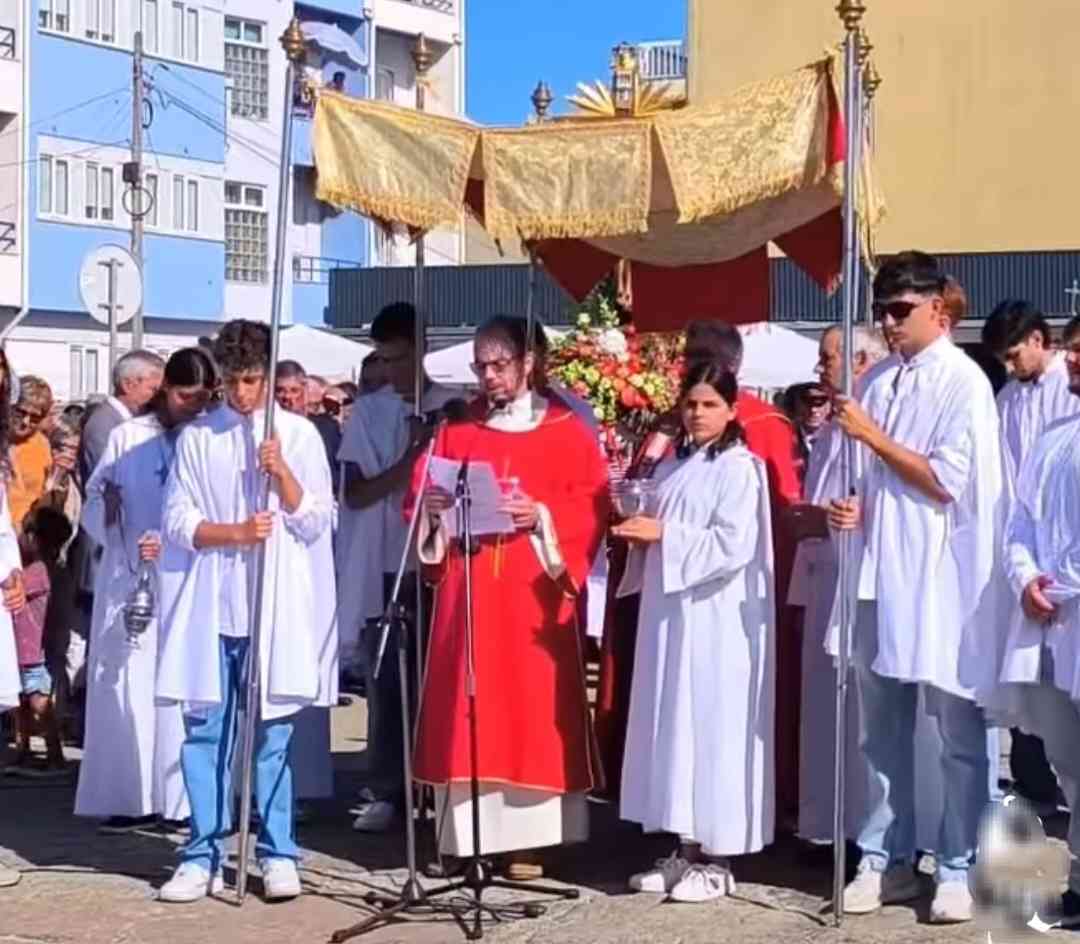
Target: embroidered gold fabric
[(568, 180), (761, 141), (392, 163)]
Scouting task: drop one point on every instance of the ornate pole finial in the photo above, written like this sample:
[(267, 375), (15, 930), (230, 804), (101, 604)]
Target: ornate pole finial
[(864, 46), (421, 55), (871, 80), (541, 99), (851, 12), (292, 41)]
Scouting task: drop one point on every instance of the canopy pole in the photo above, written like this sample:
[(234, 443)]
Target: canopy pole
[(851, 13), (292, 41), (870, 83), (422, 60)]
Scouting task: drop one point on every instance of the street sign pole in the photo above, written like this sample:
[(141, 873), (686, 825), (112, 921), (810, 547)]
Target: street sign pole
[(111, 265)]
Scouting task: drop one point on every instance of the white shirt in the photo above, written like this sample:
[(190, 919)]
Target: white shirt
[(207, 590), (929, 565), (1028, 407)]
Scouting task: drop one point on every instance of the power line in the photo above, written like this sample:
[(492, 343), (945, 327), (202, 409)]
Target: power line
[(66, 111)]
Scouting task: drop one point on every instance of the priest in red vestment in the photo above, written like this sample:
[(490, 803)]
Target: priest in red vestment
[(536, 758), (771, 437)]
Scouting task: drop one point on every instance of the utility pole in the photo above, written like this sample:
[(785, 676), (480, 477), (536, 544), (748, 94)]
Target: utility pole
[(135, 178)]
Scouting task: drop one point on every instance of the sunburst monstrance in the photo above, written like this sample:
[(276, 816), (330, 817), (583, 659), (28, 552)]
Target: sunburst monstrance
[(626, 96)]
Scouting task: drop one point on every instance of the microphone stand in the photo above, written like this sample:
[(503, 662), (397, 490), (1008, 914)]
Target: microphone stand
[(413, 899)]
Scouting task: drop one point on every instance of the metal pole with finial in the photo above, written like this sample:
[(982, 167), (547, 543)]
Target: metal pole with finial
[(292, 41), (541, 100), (851, 13), (422, 58)]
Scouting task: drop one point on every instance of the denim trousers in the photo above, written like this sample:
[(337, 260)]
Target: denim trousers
[(207, 763), (887, 737)]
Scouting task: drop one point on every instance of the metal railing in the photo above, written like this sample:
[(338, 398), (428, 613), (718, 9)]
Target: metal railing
[(7, 237), (315, 270), (662, 61), (443, 6), (7, 42)]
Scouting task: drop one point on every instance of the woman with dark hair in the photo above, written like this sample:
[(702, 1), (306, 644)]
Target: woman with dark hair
[(699, 748), (130, 773)]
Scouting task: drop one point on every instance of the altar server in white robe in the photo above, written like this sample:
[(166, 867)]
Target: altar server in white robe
[(699, 751), (927, 522), (381, 441), (211, 527), (1036, 396), (130, 771), (14, 598), (1041, 665)]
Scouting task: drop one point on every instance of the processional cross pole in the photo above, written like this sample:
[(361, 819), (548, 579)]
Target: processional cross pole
[(851, 13)]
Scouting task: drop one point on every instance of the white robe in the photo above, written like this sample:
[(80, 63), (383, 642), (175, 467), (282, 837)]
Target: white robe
[(931, 567), (371, 540), (699, 744), (131, 755), (10, 559), (813, 587), (215, 478), (1043, 539)]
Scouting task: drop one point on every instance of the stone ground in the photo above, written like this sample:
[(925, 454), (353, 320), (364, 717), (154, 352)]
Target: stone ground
[(82, 888)]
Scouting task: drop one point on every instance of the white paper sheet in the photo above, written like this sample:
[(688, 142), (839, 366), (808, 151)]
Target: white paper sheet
[(487, 497)]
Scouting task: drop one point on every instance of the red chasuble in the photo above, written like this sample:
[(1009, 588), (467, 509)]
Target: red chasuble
[(534, 729)]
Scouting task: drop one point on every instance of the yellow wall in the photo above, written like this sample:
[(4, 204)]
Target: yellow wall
[(978, 116)]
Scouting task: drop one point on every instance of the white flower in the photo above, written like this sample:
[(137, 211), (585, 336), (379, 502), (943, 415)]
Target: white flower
[(613, 342)]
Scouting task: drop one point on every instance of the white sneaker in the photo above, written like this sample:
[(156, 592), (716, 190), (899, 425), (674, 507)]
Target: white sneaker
[(374, 817), (952, 903), (9, 877), (663, 877), (280, 879), (704, 883), (870, 890), (190, 882)]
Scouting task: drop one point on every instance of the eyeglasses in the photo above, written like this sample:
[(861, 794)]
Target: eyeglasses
[(499, 366), (897, 310)]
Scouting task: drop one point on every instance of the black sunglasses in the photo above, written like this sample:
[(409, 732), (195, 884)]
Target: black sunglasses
[(898, 310)]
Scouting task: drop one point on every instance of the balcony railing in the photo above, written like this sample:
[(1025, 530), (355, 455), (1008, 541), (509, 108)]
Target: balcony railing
[(315, 270), (7, 42), (442, 6), (663, 61), (7, 237)]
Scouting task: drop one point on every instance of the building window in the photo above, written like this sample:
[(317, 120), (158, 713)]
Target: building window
[(384, 85), (247, 229), (53, 187), (92, 179), (55, 15), (184, 27), (247, 66), (192, 206), (150, 182), (178, 202), (107, 193), (150, 25), (101, 20), (84, 371), (75, 355)]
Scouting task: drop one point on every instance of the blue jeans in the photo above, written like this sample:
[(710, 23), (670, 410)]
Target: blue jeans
[(206, 760), (887, 708)]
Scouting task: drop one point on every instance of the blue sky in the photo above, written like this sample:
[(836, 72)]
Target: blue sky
[(512, 44)]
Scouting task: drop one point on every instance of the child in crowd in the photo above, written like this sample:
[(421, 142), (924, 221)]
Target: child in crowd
[(44, 534)]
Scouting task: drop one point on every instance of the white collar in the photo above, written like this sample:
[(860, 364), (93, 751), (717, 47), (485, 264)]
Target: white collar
[(120, 407), (932, 352), (523, 413)]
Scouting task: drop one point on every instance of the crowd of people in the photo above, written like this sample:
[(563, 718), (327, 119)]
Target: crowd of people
[(715, 596)]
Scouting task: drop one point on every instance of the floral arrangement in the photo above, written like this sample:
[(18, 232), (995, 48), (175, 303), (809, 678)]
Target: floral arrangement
[(630, 379)]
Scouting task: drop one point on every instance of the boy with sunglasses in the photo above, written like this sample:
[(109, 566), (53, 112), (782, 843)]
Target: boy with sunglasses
[(926, 517)]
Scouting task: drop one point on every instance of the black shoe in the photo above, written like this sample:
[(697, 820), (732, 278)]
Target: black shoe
[(173, 825), (118, 825), (1069, 914)]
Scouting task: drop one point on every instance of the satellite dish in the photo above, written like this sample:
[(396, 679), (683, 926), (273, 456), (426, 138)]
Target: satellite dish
[(114, 263)]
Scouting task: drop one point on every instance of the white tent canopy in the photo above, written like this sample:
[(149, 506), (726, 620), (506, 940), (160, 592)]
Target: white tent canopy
[(452, 366), (322, 352), (775, 358)]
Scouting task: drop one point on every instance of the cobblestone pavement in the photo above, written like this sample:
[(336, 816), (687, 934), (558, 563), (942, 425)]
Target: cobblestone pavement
[(82, 888)]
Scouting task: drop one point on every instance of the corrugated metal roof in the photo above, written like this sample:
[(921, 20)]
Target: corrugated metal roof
[(988, 278), (456, 296), (464, 296)]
